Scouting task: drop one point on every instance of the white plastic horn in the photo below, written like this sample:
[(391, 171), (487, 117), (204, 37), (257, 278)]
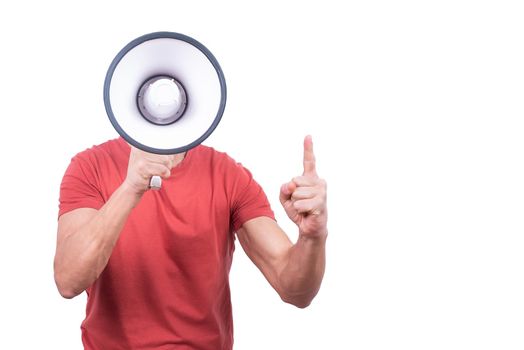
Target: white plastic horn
[(164, 93)]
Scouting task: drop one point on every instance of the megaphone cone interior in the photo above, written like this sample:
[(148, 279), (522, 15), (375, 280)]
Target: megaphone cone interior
[(162, 100), (164, 93)]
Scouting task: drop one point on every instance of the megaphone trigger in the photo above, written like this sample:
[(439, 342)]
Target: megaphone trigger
[(155, 183)]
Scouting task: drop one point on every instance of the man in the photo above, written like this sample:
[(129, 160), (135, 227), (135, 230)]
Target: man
[(155, 264)]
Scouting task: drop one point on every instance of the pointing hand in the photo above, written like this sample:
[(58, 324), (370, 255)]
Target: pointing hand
[(304, 197)]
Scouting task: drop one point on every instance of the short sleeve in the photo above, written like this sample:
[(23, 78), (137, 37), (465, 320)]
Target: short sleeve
[(79, 187), (248, 198)]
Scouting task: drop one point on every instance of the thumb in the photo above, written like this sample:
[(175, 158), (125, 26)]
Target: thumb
[(286, 190)]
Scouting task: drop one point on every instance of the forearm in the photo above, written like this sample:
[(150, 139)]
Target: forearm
[(83, 254), (301, 277)]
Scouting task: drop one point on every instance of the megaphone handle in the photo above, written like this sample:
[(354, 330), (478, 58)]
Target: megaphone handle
[(155, 183)]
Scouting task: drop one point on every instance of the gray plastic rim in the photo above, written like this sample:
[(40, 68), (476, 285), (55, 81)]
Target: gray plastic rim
[(161, 35)]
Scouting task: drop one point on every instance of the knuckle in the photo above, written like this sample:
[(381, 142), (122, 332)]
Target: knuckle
[(140, 167)]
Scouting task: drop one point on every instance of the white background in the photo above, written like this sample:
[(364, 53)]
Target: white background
[(417, 113)]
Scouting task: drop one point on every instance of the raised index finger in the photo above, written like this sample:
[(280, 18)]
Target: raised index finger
[(309, 157)]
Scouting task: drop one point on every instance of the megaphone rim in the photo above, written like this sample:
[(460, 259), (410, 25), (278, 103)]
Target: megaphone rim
[(161, 35)]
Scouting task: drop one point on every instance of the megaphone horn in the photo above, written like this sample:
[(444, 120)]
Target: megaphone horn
[(164, 93)]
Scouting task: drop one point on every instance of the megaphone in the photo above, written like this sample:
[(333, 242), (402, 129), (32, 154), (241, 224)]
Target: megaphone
[(164, 93)]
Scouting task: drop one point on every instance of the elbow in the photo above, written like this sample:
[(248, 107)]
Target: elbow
[(67, 291), (301, 298), (302, 304), (300, 301)]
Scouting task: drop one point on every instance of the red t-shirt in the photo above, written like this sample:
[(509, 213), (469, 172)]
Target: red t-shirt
[(166, 283)]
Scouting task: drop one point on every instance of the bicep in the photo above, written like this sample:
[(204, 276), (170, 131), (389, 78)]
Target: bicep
[(266, 244)]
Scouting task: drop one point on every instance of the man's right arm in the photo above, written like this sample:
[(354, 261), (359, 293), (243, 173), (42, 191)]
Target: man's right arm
[(86, 236)]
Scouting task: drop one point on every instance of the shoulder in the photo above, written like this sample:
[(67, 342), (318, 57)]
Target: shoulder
[(222, 167), (112, 150), (216, 159), (99, 169)]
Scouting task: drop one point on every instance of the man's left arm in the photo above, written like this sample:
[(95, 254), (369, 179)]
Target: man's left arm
[(294, 270)]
